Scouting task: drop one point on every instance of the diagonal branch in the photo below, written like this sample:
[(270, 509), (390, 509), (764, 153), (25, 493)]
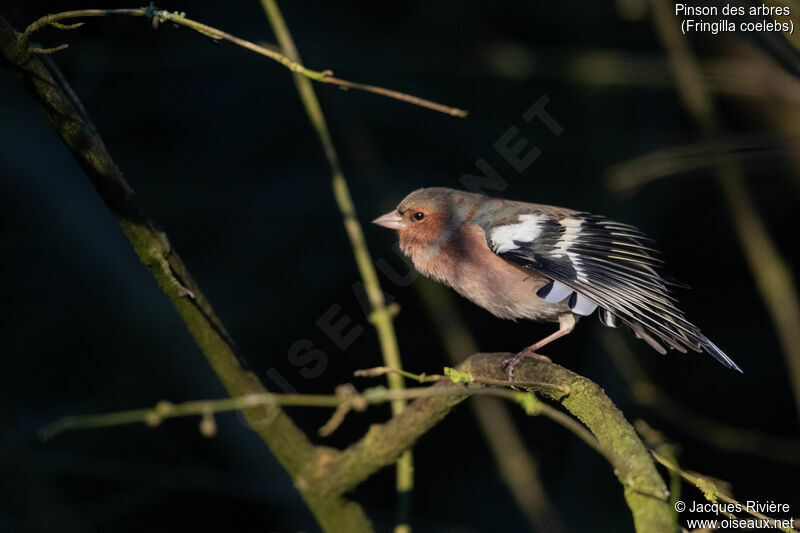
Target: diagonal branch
[(286, 441), (159, 16), (713, 493), (333, 473), (645, 491), (381, 314)]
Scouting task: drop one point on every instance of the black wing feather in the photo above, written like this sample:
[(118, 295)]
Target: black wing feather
[(608, 263)]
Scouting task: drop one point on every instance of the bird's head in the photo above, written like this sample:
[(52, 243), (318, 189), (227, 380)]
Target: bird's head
[(426, 218)]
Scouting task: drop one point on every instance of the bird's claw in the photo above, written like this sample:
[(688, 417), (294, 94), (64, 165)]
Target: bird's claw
[(511, 363)]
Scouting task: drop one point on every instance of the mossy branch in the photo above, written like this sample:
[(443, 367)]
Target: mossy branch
[(645, 491), (286, 441), (333, 473)]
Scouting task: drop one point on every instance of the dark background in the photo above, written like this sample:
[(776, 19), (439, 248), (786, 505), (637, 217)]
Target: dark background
[(217, 146)]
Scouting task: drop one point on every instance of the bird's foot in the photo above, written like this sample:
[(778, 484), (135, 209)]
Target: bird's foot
[(512, 363)]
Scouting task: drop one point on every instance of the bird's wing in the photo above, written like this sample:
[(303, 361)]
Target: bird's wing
[(595, 262)]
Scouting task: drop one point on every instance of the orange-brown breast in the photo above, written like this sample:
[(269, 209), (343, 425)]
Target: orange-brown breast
[(465, 263)]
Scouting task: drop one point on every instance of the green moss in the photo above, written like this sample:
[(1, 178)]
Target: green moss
[(710, 491), (457, 376), (529, 402), (375, 393)]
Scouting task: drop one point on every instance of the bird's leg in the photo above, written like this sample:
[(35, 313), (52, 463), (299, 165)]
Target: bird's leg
[(566, 323)]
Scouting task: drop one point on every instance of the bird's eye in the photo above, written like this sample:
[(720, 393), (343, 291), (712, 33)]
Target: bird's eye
[(419, 215)]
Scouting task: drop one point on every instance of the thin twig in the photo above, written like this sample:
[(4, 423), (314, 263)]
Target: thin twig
[(345, 395), (397, 96), (381, 314), (431, 378), (627, 177), (384, 370), (46, 51), (345, 399), (159, 16), (570, 423)]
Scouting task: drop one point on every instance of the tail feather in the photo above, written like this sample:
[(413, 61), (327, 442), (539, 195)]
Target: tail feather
[(719, 355)]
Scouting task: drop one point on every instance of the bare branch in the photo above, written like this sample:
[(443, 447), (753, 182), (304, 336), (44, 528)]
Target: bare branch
[(286, 441), (381, 314), (159, 16), (334, 473), (645, 491)]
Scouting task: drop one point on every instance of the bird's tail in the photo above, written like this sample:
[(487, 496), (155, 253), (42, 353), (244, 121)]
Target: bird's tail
[(719, 355)]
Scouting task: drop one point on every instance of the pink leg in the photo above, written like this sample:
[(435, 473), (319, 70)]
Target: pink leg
[(566, 323)]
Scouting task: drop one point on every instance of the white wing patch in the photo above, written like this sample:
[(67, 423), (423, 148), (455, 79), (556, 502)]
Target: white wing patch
[(572, 230), (501, 239), (581, 305), (572, 227), (554, 292)]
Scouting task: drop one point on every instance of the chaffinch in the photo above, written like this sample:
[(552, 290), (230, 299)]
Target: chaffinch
[(544, 263)]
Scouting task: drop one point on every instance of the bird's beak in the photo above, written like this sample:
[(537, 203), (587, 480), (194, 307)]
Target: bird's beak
[(391, 220)]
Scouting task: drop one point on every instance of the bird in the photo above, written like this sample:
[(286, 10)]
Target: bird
[(543, 263)]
